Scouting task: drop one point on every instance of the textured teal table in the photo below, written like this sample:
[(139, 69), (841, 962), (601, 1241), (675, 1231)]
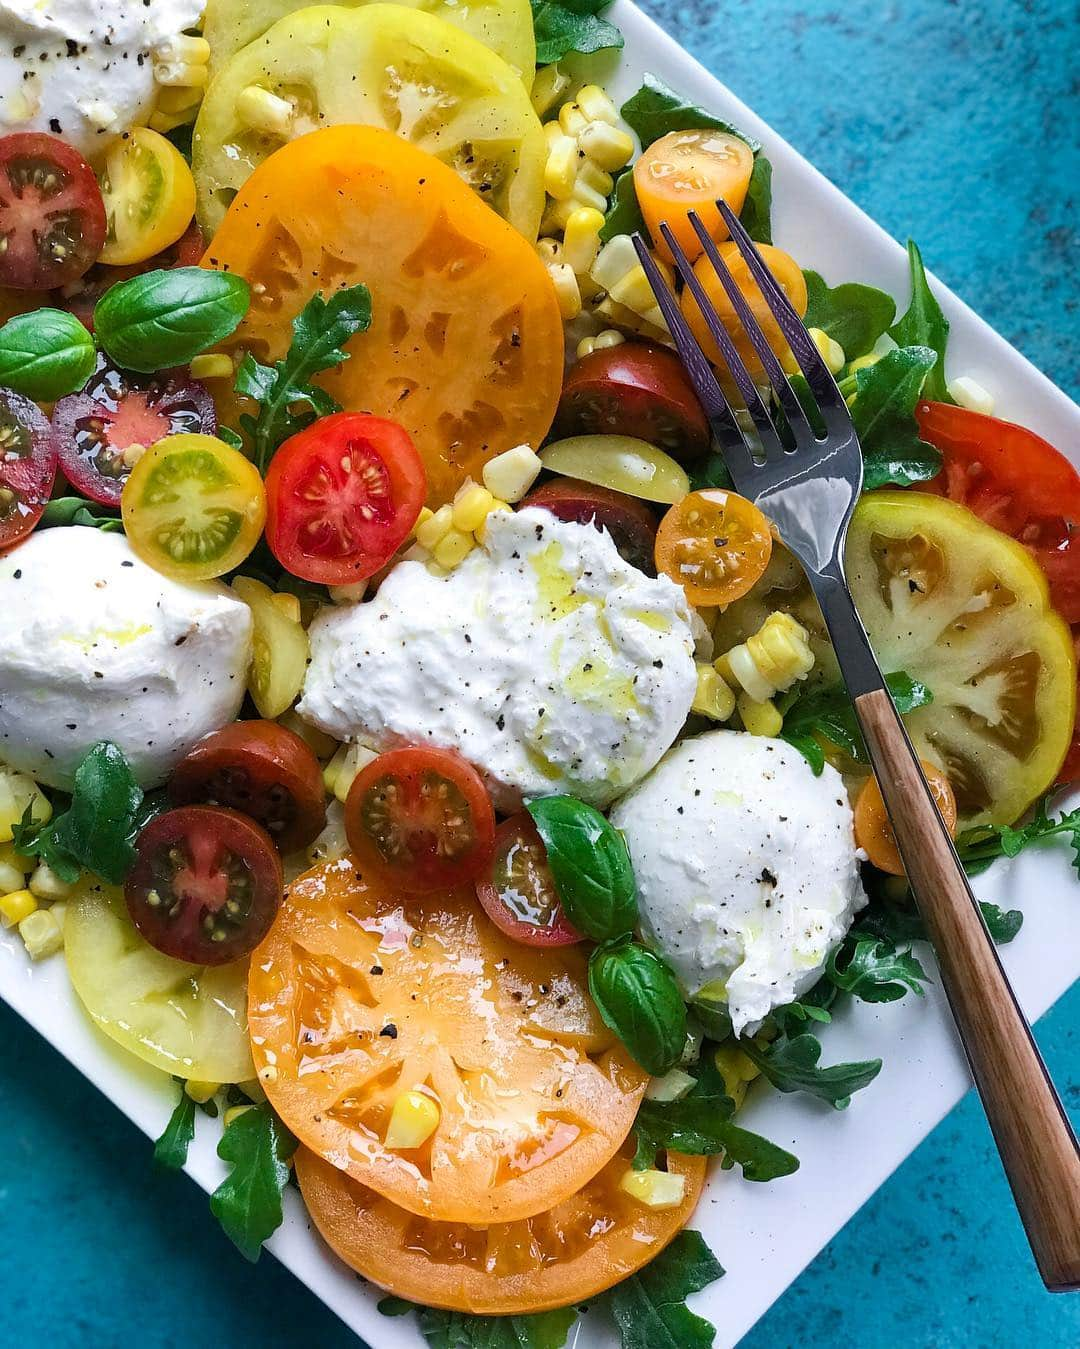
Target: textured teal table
[(952, 122)]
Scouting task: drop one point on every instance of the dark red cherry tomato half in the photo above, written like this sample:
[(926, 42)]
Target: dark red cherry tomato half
[(81, 296), (630, 523), (342, 496), (420, 819), (518, 892), (118, 409), (205, 886), (634, 389), (52, 217), (262, 770), (27, 466)]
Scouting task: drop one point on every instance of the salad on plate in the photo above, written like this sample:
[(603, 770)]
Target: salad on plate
[(408, 740)]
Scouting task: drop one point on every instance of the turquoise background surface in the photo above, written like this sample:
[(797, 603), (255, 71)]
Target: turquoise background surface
[(953, 122)]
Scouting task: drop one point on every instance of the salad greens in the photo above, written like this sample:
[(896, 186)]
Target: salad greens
[(80, 511), (874, 970), (637, 997), (459, 1330), (248, 1202), (829, 713), (924, 325), (623, 213), (980, 846), (851, 314), (884, 417), (650, 1307), (564, 26), (45, 354), (171, 1149), (756, 213), (590, 866), (790, 1063), (164, 318)]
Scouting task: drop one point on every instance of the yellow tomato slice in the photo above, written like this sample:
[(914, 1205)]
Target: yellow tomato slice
[(873, 828), (149, 196), (715, 544), (621, 463), (279, 649), (688, 171)]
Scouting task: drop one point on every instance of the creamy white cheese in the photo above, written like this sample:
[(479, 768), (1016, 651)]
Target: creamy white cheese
[(544, 658), (99, 646), (746, 868), (83, 69)]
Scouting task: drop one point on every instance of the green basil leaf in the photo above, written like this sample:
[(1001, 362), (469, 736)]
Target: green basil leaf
[(623, 212), (756, 213), (45, 354), (564, 26), (247, 1203), (790, 1063), (874, 970), (924, 325), (712, 471), (164, 318), (590, 866), (657, 109), (852, 314), (884, 418), (80, 511), (650, 1307), (638, 998), (171, 1149)]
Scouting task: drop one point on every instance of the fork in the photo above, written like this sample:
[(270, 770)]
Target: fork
[(807, 484)]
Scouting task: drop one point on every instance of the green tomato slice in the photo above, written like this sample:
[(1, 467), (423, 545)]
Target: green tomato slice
[(621, 463)]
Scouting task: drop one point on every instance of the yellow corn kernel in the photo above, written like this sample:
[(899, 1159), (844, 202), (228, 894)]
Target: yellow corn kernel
[(434, 528), (548, 87), (584, 194), (178, 98), (864, 362), (181, 73), (606, 146), (610, 337), (549, 250), (611, 312), (212, 365), (413, 1120), (591, 176), (617, 257), (654, 1189), (496, 505), (233, 1113), (47, 886), (713, 697), (183, 48), (263, 111), (970, 394), (454, 547), (340, 773), (13, 869), (16, 906), (737, 1071), (510, 475), (164, 122), (634, 291), (832, 353), (581, 240), (352, 593), (18, 792), (560, 171), (200, 1092), (596, 105), (320, 744), (42, 933), (759, 718), (572, 120), (673, 1086), (771, 659), (470, 506), (288, 604), (567, 290)]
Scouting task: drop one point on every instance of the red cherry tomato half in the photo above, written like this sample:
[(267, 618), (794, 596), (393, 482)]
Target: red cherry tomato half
[(634, 389), (81, 296), (27, 466), (264, 771), (341, 497), (205, 886), (420, 819), (518, 893), (118, 409), (52, 217), (630, 523)]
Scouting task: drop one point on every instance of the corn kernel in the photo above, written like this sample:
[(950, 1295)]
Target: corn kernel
[(18, 792), (434, 529), (771, 659), (606, 146), (352, 761), (560, 171), (177, 99), (549, 250), (263, 111), (713, 697), (47, 886), (510, 475), (470, 506), (320, 744), (185, 73), (233, 1113), (567, 290), (737, 1070), (16, 906), (584, 194), (596, 105), (581, 241), (42, 934), (164, 122), (594, 177), (548, 87), (352, 593), (759, 718), (184, 48), (212, 365), (556, 214), (201, 1092), (832, 353), (572, 120), (413, 1120), (673, 1086), (454, 547), (496, 506), (864, 362), (634, 291), (13, 869), (971, 395), (617, 257), (654, 1189)]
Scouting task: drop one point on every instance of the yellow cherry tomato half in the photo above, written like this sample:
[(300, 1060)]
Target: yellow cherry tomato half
[(620, 462), (193, 507), (688, 171), (715, 544), (279, 648), (149, 196), (873, 831)]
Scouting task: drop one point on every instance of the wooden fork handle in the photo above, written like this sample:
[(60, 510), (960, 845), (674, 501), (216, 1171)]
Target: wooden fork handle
[(1038, 1147)]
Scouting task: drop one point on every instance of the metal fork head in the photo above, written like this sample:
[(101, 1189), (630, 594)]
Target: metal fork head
[(807, 484)]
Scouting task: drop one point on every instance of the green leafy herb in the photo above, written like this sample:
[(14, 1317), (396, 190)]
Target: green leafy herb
[(45, 354), (80, 511), (287, 398), (757, 208), (171, 1149), (590, 866), (395, 1306), (164, 318), (983, 845), (564, 26), (248, 1202), (656, 110), (829, 713), (884, 418), (650, 1307), (874, 970), (790, 1063), (711, 471), (900, 924), (924, 325), (623, 212), (852, 314), (458, 1330), (638, 998)]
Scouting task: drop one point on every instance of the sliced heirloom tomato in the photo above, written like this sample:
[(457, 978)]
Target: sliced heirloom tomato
[(342, 496), (279, 647), (619, 463), (52, 219), (715, 544), (630, 523), (518, 891), (149, 196), (116, 411), (579, 1248), (262, 770), (27, 466), (358, 995), (465, 348), (687, 171), (873, 828), (205, 885), (420, 819)]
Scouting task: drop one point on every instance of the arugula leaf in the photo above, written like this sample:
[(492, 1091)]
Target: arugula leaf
[(571, 26), (171, 1149), (288, 400), (394, 1306), (623, 212), (790, 1063), (458, 1330), (756, 213), (924, 325), (852, 314), (874, 970), (900, 923), (983, 845), (650, 1307), (829, 712), (884, 417), (247, 1203), (657, 109), (80, 511)]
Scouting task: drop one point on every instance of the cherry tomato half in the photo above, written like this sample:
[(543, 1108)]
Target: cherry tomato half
[(518, 893), (634, 389), (205, 886), (873, 830), (715, 544), (262, 770), (118, 409), (52, 218), (687, 171), (27, 465), (630, 523), (342, 496), (420, 819)]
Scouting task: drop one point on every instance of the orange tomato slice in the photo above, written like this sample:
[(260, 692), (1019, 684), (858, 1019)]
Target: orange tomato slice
[(579, 1248), (715, 544), (873, 829), (465, 348), (687, 171), (359, 994)]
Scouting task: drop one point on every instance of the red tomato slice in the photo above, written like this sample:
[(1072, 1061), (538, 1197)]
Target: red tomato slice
[(518, 893), (630, 522), (52, 217), (341, 497), (27, 466), (420, 819)]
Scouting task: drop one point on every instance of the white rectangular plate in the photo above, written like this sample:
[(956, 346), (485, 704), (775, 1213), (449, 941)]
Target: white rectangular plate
[(763, 1234)]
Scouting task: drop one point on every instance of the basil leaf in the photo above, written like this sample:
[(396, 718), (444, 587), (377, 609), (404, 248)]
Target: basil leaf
[(459, 1330), (756, 213), (657, 109), (564, 26), (884, 417), (650, 1307), (851, 314), (790, 1063), (712, 471), (590, 866), (924, 325), (80, 511), (45, 354), (394, 1306), (164, 318), (638, 998), (623, 212), (829, 713), (874, 970), (171, 1149), (247, 1203)]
